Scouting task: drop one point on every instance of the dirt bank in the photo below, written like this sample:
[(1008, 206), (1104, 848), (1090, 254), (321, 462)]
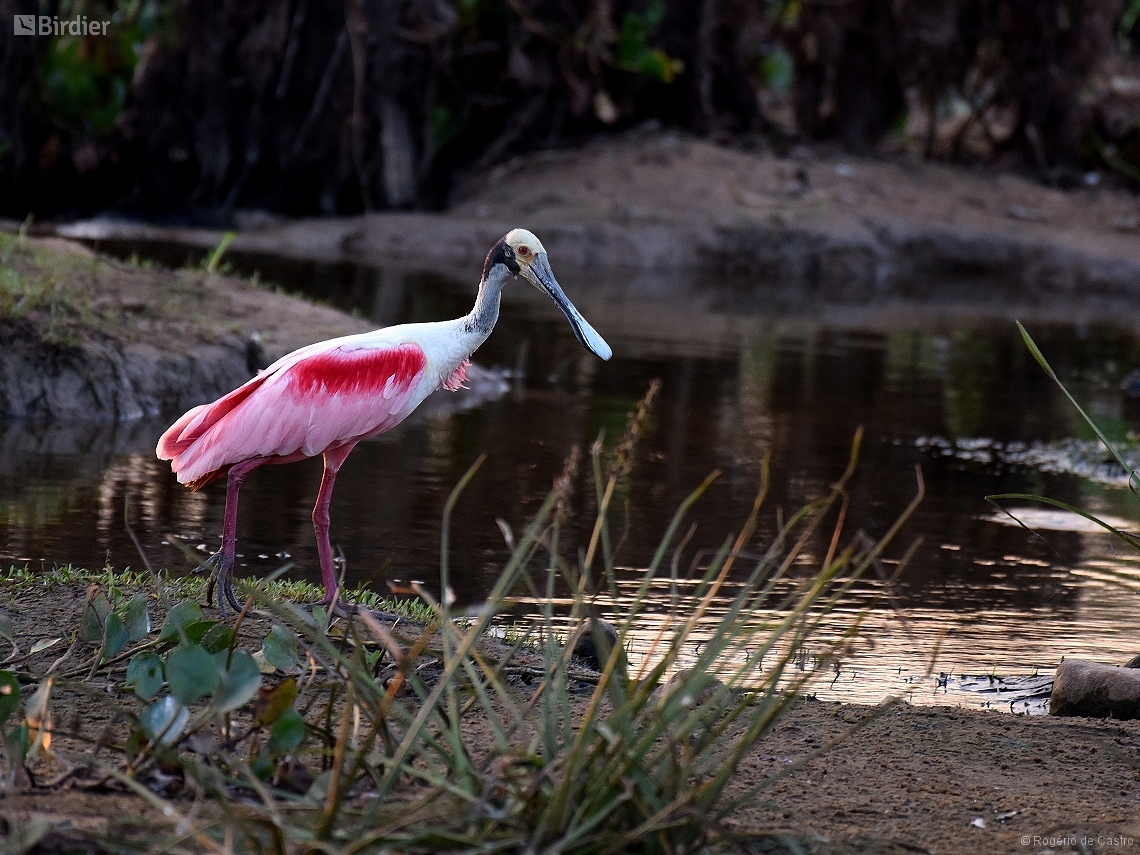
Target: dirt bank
[(942, 780), (84, 337), (676, 208), (88, 338), (908, 779)]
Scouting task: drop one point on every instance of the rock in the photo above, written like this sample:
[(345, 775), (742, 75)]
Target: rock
[(1094, 690), (699, 687), (586, 647)]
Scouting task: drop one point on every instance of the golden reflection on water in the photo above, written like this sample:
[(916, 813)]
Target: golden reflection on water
[(927, 655)]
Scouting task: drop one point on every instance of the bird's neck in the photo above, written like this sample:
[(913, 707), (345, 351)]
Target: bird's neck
[(483, 316)]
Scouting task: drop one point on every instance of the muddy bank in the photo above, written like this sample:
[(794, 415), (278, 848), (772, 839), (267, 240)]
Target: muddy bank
[(829, 778), (917, 780), (86, 338), (664, 210), (943, 780)]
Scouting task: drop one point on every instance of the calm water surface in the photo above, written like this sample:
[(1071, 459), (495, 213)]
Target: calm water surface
[(746, 371)]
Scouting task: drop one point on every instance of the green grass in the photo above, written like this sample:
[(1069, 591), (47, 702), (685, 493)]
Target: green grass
[(49, 290), (191, 587), (66, 299)]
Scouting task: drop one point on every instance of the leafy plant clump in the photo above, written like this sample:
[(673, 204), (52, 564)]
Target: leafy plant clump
[(358, 735)]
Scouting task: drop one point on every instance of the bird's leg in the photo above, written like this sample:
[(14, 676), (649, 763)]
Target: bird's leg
[(221, 563), (333, 460)]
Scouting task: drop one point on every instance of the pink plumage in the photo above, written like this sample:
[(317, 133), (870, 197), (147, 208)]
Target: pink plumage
[(298, 407), (323, 399)]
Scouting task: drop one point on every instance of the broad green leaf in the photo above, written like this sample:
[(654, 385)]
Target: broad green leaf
[(287, 732), (179, 617), (114, 636), (93, 619), (280, 648), (165, 716), (262, 663), (191, 672), (18, 743), (263, 767), (217, 638), (101, 605), (10, 695), (136, 618), (144, 675), (272, 702), (198, 630), (240, 681)]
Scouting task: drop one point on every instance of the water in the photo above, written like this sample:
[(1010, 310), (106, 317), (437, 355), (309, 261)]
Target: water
[(746, 371)]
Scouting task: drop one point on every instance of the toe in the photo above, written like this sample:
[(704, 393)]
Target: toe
[(230, 596)]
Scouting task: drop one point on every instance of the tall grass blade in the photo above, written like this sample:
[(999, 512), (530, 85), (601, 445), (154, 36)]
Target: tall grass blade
[(1133, 475)]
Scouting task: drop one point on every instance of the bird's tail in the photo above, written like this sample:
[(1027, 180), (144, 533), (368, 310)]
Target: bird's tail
[(180, 443)]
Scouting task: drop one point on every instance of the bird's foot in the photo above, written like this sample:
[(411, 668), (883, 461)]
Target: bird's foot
[(339, 608), (220, 566)]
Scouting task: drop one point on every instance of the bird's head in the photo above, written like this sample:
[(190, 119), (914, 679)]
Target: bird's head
[(524, 255)]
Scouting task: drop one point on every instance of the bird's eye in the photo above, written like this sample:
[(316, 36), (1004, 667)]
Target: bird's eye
[(524, 251)]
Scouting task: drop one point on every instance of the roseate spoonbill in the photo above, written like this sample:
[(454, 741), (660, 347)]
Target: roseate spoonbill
[(326, 397)]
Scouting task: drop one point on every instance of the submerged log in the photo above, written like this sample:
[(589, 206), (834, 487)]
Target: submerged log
[(1091, 689)]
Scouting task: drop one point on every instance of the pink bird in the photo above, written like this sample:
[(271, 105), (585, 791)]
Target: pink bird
[(326, 397)]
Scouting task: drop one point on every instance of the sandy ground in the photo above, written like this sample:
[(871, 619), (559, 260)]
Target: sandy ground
[(938, 779)]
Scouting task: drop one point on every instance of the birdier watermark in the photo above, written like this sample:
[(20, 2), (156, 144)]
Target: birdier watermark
[(50, 25)]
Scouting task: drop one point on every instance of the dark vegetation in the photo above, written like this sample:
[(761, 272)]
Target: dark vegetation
[(307, 106)]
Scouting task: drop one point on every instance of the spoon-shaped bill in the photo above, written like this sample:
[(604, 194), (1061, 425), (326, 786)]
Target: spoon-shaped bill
[(540, 274)]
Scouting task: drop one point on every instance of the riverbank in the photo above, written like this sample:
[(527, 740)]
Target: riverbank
[(88, 338), (658, 208), (829, 778)]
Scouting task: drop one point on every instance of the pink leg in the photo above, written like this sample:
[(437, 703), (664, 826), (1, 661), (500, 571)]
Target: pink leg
[(221, 563), (333, 461)]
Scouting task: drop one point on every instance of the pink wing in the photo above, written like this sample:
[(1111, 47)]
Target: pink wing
[(297, 408)]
